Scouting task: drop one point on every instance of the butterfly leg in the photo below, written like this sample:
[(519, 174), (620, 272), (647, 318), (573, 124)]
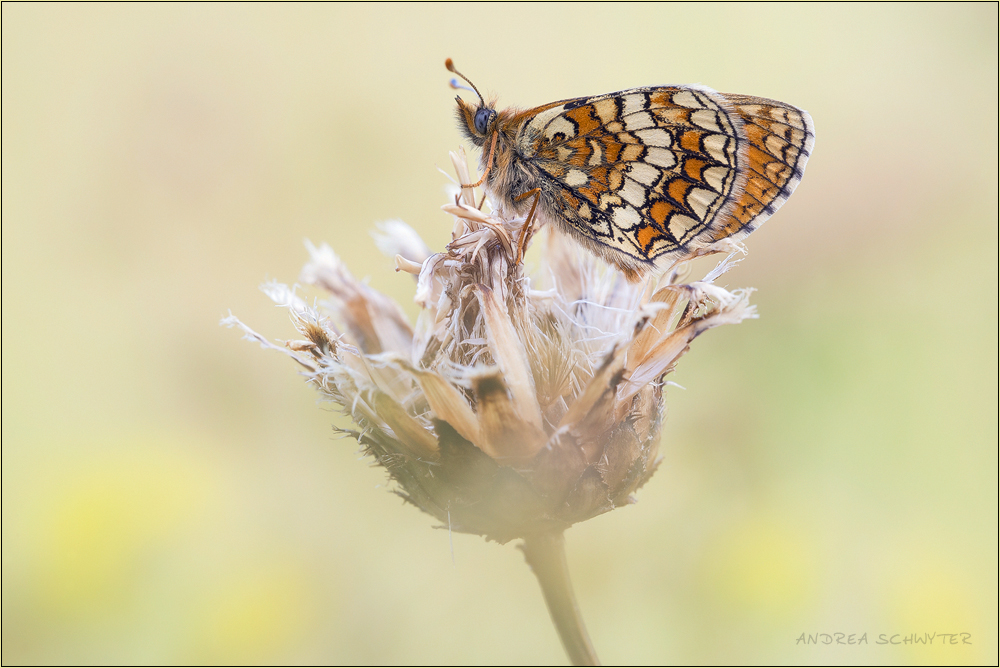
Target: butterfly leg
[(525, 235), (489, 165)]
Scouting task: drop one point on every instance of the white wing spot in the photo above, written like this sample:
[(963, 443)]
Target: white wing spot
[(655, 137), (633, 103), (643, 173), (538, 123), (560, 125), (639, 121), (602, 226), (597, 155), (608, 201), (606, 110), (706, 119), (700, 200), (680, 224), (626, 217), (633, 193), (661, 243), (716, 147), (686, 98), (660, 157), (716, 176), (575, 178)]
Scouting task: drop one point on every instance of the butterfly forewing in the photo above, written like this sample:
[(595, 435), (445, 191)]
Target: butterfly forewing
[(779, 139)]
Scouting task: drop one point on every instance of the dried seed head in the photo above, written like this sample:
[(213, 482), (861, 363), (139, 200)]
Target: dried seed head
[(513, 407)]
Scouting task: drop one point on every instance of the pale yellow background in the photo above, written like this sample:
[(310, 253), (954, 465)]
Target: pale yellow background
[(172, 493)]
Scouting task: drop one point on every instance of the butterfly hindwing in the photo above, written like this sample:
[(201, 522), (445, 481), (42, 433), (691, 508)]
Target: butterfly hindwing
[(644, 171), (655, 171)]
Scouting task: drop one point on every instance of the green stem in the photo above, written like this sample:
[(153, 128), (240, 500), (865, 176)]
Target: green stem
[(546, 555)]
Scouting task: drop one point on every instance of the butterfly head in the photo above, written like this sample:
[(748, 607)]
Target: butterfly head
[(477, 121)]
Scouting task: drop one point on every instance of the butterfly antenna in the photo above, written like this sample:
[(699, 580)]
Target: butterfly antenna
[(454, 84)]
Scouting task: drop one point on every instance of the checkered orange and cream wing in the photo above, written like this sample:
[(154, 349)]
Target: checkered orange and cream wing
[(779, 139), (647, 176)]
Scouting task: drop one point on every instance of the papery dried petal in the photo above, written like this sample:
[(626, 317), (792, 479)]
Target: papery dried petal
[(394, 237), (449, 404), (411, 433), (510, 355), (375, 322), (506, 435)]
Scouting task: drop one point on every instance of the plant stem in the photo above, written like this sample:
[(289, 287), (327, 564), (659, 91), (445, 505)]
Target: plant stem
[(546, 555)]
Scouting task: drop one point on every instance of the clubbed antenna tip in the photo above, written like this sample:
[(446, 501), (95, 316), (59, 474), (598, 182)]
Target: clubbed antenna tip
[(454, 84)]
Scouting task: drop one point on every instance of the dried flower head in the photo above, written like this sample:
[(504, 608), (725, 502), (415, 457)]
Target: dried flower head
[(516, 406)]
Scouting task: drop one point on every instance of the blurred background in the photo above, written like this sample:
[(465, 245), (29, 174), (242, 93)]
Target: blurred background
[(172, 494)]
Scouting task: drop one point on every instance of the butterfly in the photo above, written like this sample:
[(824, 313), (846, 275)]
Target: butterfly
[(644, 177)]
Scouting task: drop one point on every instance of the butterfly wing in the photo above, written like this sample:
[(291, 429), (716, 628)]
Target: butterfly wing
[(650, 174), (779, 139)]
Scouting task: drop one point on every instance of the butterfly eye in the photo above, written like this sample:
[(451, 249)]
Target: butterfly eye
[(483, 117)]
